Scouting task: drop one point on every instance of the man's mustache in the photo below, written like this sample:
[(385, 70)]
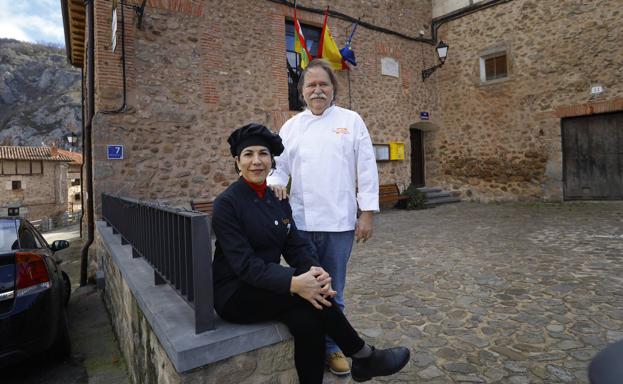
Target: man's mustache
[(319, 96)]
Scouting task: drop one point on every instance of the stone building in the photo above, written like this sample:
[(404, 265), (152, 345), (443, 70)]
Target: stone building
[(195, 70), (74, 180), (34, 182), (532, 101)]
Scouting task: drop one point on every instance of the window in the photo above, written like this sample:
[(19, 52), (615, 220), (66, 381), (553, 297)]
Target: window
[(312, 35), (493, 67), (16, 185), (36, 167), (8, 234), (9, 167), (77, 197), (23, 167), (75, 182), (27, 238)]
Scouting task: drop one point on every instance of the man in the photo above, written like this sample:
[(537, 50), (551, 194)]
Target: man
[(329, 155)]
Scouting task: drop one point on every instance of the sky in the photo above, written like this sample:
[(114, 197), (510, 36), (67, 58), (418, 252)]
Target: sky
[(36, 21)]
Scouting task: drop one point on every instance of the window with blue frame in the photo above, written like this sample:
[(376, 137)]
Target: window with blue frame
[(312, 36)]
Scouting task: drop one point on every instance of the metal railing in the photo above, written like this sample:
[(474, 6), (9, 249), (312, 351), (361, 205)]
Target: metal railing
[(46, 224), (175, 242)]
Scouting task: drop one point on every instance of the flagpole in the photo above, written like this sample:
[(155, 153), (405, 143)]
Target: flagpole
[(350, 99)]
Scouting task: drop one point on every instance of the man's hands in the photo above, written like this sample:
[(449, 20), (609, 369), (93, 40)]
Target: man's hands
[(365, 224), (313, 286), (280, 191)]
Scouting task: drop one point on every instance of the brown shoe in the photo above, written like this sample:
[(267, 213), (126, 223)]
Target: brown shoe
[(338, 365)]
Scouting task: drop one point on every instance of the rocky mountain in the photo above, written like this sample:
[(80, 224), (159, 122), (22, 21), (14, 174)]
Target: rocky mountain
[(39, 95)]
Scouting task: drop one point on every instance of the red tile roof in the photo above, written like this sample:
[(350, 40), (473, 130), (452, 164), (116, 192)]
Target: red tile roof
[(76, 157), (31, 153)]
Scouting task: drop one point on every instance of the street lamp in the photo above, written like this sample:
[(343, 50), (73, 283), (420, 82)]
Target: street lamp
[(72, 138), (442, 52)]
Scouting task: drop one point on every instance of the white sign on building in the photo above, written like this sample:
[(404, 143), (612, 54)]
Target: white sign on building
[(390, 67)]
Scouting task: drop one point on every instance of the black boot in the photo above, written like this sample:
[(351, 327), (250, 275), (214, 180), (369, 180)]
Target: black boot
[(382, 362)]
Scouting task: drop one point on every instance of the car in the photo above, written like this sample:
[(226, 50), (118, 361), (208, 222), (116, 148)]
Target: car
[(34, 293)]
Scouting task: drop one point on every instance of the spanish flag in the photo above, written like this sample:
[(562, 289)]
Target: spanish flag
[(299, 44), (327, 49)]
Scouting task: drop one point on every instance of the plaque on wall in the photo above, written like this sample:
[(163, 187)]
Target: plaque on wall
[(390, 67), (381, 152)]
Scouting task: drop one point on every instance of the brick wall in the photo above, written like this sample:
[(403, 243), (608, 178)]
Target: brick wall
[(198, 70)]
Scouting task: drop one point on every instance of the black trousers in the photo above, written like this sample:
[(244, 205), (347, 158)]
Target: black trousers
[(307, 325)]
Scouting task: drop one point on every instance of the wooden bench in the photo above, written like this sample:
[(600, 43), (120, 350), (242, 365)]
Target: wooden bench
[(387, 193), (390, 193), (204, 206)]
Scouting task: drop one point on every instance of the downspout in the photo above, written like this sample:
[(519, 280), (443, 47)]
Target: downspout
[(88, 155), (82, 147)]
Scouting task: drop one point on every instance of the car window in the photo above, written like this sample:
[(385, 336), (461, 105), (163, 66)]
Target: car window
[(8, 236), (40, 239), (27, 238)]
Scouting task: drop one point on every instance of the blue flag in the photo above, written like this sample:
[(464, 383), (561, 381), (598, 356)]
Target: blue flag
[(347, 52)]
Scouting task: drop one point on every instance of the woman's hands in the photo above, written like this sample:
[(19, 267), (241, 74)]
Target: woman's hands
[(313, 286)]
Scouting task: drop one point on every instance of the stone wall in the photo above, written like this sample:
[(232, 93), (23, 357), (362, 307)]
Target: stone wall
[(42, 195), (198, 70), (147, 360), (501, 141)]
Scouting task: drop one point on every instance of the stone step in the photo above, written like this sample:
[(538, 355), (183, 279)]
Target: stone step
[(441, 200), (434, 195), (429, 189)]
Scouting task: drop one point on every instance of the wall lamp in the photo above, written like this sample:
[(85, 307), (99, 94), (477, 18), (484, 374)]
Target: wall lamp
[(71, 138), (442, 52)]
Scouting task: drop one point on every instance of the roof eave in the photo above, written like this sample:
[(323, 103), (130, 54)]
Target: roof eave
[(66, 30), (69, 31)]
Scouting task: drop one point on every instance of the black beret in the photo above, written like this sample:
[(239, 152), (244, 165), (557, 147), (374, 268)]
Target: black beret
[(254, 134)]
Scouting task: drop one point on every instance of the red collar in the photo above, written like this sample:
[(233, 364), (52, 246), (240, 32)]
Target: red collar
[(260, 189)]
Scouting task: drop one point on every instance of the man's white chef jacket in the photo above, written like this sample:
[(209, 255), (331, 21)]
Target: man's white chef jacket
[(330, 157)]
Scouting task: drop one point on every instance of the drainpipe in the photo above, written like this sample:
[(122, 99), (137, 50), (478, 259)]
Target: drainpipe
[(88, 152), (83, 152)]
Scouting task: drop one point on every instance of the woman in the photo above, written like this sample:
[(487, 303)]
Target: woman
[(253, 229)]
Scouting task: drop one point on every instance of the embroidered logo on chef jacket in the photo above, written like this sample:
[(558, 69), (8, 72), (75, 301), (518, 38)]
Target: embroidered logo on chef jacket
[(341, 131), (285, 222)]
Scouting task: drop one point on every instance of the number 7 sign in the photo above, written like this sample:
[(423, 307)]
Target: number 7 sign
[(115, 152)]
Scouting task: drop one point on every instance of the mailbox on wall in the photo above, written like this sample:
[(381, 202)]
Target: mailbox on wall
[(396, 150)]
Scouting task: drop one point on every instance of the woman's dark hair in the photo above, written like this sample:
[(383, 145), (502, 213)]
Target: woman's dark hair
[(327, 68)]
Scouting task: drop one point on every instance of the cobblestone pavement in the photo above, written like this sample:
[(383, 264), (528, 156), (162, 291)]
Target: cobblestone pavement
[(496, 293)]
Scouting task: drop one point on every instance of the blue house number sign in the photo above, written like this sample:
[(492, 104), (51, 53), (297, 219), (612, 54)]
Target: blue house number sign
[(115, 152)]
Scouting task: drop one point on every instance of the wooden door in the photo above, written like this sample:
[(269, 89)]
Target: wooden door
[(417, 158), (593, 157)]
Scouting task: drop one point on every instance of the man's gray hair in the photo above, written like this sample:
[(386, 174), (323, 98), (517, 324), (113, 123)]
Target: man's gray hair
[(327, 68)]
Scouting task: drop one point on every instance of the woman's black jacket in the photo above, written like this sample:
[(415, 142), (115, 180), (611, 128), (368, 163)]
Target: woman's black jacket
[(252, 234)]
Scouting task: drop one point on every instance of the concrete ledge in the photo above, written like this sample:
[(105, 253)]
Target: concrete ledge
[(172, 319)]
